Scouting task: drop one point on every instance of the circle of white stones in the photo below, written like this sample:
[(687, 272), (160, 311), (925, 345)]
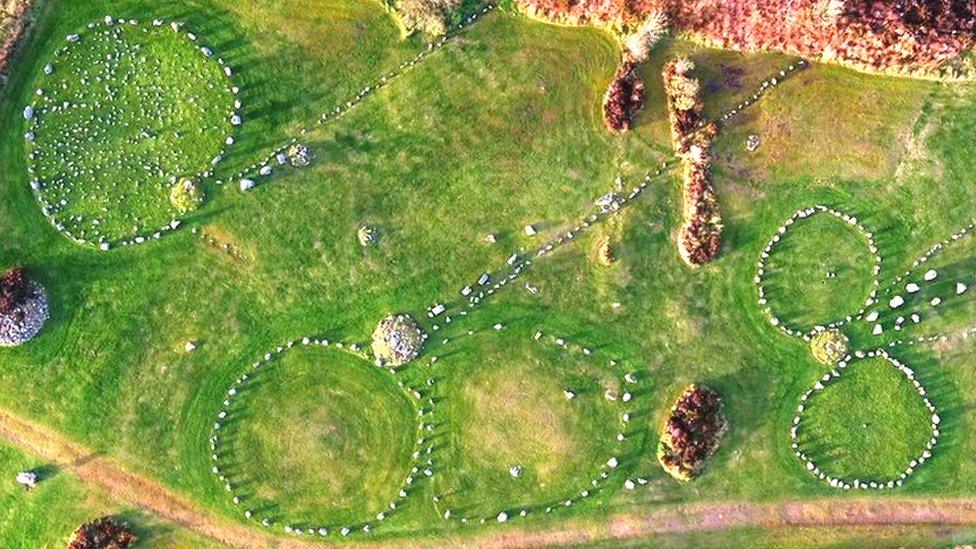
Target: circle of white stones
[(848, 484), (626, 400), (771, 247), (422, 462), (33, 111)]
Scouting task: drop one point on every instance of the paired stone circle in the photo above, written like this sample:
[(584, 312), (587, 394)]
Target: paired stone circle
[(853, 483)]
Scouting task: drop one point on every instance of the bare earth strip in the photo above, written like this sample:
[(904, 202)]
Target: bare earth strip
[(671, 519)]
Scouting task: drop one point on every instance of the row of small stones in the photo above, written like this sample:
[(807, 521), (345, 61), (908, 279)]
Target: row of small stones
[(518, 263), (422, 466), (263, 167), (49, 210), (609, 465), (856, 483), (764, 87), (770, 248), (933, 251), (225, 247)]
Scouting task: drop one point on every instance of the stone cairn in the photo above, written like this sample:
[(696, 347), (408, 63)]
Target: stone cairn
[(23, 308), (397, 340)]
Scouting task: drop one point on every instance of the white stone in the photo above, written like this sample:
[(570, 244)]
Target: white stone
[(930, 275), (896, 302)]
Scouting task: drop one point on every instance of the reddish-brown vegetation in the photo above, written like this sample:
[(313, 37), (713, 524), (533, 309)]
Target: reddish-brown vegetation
[(102, 533), (692, 432), (13, 24), (903, 36), (700, 236), (625, 98), (14, 289)]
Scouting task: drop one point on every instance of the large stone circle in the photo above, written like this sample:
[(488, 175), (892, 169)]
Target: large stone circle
[(123, 112)]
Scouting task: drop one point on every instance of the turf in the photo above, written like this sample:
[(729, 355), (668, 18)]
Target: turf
[(815, 271), (324, 439), (500, 129), (48, 515), (869, 424)]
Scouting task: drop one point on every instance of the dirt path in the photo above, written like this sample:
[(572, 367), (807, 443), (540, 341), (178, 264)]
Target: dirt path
[(671, 519)]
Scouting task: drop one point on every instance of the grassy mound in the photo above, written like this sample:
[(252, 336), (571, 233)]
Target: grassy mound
[(326, 439), (868, 424), (126, 112), (819, 272)]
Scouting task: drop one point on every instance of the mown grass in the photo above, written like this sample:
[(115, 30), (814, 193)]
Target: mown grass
[(49, 514), (128, 110), (325, 432), (868, 424), (500, 129), (815, 270)]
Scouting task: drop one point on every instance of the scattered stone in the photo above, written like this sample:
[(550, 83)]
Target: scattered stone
[(752, 142)]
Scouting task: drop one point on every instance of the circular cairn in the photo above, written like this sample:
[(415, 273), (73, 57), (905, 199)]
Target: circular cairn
[(829, 346), (121, 114), (23, 308), (397, 340)]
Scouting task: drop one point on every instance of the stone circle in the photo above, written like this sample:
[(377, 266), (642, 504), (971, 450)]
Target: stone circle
[(124, 112)]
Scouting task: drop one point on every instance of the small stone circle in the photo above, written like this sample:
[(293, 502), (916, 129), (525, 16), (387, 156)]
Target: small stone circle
[(109, 135), (770, 248), (853, 483)]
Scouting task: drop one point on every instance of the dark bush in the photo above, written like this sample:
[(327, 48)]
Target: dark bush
[(103, 533), (14, 289)]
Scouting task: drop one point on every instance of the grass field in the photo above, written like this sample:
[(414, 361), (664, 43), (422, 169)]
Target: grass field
[(499, 129), (47, 516)]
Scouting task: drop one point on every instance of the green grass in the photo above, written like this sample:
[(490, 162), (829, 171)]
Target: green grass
[(500, 129), (322, 438), (508, 408), (814, 272), (49, 514), (868, 424), (127, 111)]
